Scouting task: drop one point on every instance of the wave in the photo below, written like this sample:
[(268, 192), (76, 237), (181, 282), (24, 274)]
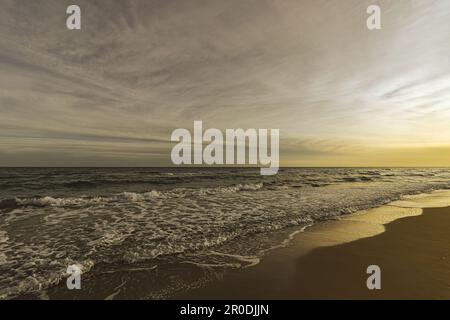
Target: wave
[(166, 179), (357, 179), (207, 225), (37, 283), (124, 196), (58, 202), (81, 201)]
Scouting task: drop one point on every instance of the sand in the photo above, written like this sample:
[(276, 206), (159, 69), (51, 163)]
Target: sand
[(408, 241)]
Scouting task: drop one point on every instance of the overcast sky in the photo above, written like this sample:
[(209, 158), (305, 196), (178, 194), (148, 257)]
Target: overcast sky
[(112, 93)]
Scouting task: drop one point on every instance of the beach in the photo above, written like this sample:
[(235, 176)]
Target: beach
[(409, 240), (164, 233)]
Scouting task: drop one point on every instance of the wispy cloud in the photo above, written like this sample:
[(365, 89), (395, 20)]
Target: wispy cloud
[(113, 92)]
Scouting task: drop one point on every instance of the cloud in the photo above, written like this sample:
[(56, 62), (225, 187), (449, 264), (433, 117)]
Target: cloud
[(139, 69)]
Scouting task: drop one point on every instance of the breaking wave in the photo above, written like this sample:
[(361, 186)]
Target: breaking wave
[(124, 196)]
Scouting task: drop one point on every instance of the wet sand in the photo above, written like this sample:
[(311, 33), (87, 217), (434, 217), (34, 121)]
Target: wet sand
[(411, 245)]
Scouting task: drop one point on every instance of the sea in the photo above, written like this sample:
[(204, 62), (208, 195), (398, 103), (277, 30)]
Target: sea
[(151, 233)]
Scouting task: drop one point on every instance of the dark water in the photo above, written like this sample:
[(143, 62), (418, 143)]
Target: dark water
[(133, 229)]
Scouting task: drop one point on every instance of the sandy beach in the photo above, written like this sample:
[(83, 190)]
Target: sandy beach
[(409, 240)]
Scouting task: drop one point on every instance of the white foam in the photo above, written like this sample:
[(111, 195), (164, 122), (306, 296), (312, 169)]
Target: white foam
[(436, 199), (250, 260)]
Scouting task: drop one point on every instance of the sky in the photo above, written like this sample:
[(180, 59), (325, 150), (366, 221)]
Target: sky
[(111, 93)]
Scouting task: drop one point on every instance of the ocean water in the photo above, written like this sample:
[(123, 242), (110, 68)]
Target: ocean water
[(153, 232)]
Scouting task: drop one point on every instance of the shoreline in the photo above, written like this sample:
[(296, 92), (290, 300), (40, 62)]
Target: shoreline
[(302, 267), (407, 238)]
